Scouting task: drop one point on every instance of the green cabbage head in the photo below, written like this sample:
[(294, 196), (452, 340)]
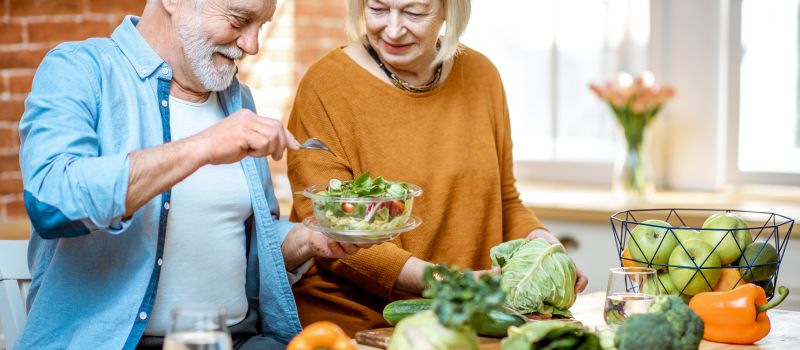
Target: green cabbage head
[(536, 275)]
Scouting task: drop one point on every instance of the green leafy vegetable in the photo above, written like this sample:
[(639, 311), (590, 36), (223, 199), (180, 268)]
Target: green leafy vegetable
[(459, 297), (537, 276), (551, 335), (458, 301)]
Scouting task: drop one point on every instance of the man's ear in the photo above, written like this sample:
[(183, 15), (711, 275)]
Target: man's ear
[(170, 5)]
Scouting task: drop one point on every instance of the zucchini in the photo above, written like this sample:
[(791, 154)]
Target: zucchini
[(495, 323), (398, 310)]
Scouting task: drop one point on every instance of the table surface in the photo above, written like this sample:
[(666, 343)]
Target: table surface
[(785, 332)]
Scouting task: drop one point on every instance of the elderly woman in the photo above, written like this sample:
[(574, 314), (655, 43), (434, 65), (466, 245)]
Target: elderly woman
[(404, 103)]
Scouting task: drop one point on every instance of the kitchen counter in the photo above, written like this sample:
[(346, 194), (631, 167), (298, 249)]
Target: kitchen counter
[(595, 204), (784, 335)]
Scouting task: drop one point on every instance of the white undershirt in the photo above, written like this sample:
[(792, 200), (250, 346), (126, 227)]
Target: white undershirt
[(204, 252)]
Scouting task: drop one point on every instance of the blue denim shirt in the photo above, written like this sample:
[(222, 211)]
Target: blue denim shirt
[(94, 274)]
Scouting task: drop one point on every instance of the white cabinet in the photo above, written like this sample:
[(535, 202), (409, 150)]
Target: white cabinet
[(592, 247)]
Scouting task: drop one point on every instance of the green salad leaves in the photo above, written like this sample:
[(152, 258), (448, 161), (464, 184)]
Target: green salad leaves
[(342, 206), (365, 186)]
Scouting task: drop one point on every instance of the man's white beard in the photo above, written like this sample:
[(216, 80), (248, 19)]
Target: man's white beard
[(198, 50)]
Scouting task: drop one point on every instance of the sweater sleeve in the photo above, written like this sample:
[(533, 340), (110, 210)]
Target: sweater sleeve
[(375, 269), (518, 220)]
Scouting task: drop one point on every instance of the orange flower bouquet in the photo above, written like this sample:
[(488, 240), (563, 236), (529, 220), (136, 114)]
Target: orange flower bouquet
[(635, 102)]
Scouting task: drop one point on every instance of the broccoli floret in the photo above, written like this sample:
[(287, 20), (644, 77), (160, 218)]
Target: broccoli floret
[(685, 322), (645, 331)]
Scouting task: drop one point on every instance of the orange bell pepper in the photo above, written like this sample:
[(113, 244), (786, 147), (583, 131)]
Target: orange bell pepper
[(737, 316), (322, 335)]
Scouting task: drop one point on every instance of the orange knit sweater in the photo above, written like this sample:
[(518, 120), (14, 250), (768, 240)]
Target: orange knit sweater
[(454, 142)]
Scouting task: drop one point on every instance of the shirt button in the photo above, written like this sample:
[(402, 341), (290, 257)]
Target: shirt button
[(160, 262), (164, 103), (166, 205), (144, 71), (164, 71), (142, 315)]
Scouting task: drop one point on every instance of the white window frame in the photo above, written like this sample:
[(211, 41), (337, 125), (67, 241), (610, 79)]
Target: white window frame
[(693, 46), (578, 172), (736, 176)]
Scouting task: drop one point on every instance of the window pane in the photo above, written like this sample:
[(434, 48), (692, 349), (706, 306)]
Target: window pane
[(547, 53), (517, 37), (594, 43), (768, 109)]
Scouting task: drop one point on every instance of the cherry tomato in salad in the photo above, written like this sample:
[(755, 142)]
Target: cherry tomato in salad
[(396, 208), (348, 207)]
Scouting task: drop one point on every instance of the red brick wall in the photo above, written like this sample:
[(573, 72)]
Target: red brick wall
[(28, 29), (319, 28), (303, 31)]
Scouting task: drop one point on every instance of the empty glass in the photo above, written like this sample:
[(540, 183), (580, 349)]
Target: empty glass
[(197, 327), (630, 290)]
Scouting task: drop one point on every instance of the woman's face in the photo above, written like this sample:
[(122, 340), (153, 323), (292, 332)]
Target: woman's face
[(404, 32)]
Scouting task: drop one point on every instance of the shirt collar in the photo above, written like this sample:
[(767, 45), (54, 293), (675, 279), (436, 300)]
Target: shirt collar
[(147, 62), (143, 58)]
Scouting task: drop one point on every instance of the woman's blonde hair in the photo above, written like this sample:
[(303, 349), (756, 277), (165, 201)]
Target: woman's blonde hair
[(456, 17)]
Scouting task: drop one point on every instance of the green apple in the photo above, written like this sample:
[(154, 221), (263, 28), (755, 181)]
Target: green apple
[(694, 255), (664, 284), (652, 243), (684, 234), (755, 255), (730, 232)]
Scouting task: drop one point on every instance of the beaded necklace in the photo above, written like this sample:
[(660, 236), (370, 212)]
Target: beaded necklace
[(402, 84)]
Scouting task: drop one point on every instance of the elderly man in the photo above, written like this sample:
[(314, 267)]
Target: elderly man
[(147, 187)]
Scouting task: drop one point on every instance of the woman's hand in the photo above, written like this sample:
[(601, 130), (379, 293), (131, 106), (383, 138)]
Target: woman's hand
[(543, 234), (302, 244), (492, 271), (581, 281)]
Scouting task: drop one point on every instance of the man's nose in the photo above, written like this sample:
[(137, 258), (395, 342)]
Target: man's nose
[(248, 41)]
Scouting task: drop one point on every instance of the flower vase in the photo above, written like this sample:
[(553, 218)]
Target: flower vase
[(633, 178)]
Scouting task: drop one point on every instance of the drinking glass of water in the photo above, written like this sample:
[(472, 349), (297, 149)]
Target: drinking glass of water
[(631, 290), (197, 327)]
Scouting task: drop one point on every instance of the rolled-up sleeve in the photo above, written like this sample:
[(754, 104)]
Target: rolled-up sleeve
[(70, 189)]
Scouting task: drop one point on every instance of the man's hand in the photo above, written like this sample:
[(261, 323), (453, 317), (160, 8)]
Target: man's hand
[(241, 134), (582, 281), (156, 169), (302, 244)]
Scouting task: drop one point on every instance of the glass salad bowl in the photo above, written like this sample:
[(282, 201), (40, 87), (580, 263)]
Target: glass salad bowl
[(363, 210)]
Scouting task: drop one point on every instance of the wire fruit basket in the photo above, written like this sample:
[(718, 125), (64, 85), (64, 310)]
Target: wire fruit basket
[(730, 248)]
